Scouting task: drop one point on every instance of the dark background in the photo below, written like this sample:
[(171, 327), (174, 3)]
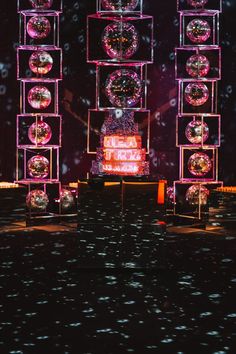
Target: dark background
[(78, 89)]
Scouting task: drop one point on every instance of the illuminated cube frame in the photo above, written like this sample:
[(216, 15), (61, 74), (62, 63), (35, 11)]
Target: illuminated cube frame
[(138, 63), (186, 49), (50, 185)]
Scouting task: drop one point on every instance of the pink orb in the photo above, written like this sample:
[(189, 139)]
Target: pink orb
[(41, 62), (37, 200), (39, 97), (41, 4), (120, 40), (66, 199), (123, 88), (196, 94), (198, 31), (38, 167), (197, 3), (170, 194), (199, 164), (197, 132), (38, 27), (120, 5), (40, 133), (197, 194), (198, 65)]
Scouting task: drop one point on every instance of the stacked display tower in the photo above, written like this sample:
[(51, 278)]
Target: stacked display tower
[(198, 70), (120, 206), (120, 43), (39, 70)]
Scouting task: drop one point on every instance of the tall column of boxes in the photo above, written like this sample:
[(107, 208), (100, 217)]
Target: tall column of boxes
[(120, 43), (198, 125), (39, 70)]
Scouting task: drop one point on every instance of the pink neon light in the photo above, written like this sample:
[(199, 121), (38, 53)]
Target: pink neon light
[(122, 142), (124, 154), (122, 168)]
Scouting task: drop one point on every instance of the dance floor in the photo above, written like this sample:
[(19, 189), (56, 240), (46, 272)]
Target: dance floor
[(52, 304)]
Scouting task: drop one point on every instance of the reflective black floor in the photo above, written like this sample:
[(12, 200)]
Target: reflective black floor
[(50, 305)]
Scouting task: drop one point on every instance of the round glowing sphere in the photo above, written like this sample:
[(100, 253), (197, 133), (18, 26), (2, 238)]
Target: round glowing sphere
[(170, 194), (197, 194), (38, 27), (198, 31), (40, 133), (197, 132), (120, 40), (196, 94), (199, 164), (120, 5), (66, 199), (123, 88), (198, 65), (197, 3), (38, 167), (41, 62), (41, 4), (39, 97), (37, 200)]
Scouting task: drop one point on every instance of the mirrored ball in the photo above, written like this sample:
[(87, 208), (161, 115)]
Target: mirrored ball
[(196, 94), (197, 3), (40, 133), (38, 167), (41, 4), (41, 62), (120, 5), (39, 97), (120, 40), (38, 27), (197, 132), (123, 88), (37, 200), (198, 65), (199, 164), (197, 194), (198, 31), (66, 199)]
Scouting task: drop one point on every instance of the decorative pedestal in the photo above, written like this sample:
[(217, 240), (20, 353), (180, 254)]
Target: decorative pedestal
[(121, 223)]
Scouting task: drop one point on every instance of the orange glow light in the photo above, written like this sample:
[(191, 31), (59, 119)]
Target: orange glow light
[(161, 192), (122, 142)]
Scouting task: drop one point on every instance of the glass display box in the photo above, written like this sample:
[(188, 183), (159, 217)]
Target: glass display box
[(198, 123), (39, 124)]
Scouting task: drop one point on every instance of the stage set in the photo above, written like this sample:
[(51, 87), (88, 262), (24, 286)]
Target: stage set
[(134, 250)]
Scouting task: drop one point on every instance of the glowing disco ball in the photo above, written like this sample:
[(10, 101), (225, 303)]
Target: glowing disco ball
[(39, 97), (197, 3), (198, 31), (197, 194), (197, 132), (66, 199), (170, 194), (41, 4), (41, 62), (37, 200), (198, 65), (196, 94), (38, 167), (123, 88), (120, 5), (38, 27), (40, 133), (120, 40), (199, 164)]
